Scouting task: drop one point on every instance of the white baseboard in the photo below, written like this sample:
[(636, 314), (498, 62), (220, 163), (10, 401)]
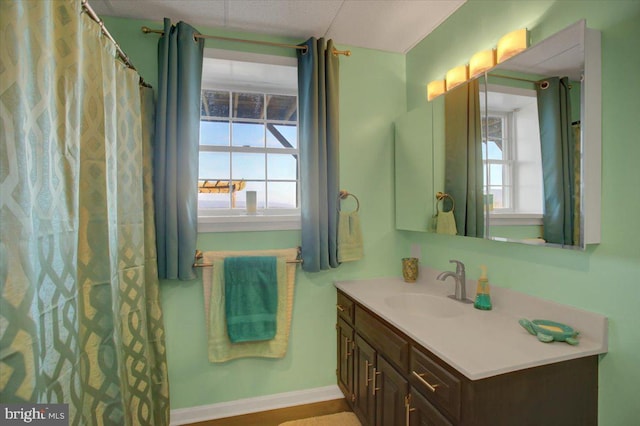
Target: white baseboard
[(202, 413)]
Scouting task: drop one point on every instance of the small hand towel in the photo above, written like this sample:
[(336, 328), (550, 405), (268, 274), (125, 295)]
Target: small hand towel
[(446, 223), (350, 246), (251, 298)]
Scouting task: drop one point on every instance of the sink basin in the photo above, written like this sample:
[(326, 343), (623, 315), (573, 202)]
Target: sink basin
[(425, 305)]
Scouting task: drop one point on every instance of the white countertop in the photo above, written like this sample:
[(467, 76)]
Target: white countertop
[(481, 344)]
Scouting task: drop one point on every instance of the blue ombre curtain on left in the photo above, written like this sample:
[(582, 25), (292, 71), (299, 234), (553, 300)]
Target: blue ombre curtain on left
[(318, 98), (176, 149)]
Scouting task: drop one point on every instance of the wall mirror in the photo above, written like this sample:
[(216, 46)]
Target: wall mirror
[(534, 190)]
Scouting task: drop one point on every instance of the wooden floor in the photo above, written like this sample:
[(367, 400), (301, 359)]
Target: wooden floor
[(275, 417)]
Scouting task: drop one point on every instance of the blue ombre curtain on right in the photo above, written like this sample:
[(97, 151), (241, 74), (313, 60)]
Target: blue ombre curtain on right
[(318, 98), (557, 149), (175, 156)]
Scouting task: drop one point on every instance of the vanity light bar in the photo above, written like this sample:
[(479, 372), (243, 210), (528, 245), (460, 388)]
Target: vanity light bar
[(456, 76), (481, 62), (435, 89), (509, 45)]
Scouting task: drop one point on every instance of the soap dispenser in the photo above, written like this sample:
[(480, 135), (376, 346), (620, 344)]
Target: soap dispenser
[(483, 299)]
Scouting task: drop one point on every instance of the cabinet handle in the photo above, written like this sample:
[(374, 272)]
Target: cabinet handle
[(374, 388), (340, 308), (420, 377), (366, 373), (408, 409), (347, 352)]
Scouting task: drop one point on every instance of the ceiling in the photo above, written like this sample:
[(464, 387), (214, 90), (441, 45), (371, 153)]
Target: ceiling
[(388, 25)]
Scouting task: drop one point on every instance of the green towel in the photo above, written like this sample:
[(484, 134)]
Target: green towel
[(350, 245), (446, 223), (251, 297)]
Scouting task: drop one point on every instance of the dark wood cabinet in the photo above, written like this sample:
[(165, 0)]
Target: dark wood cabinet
[(364, 404), (422, 413), (344, 371), (391, 393), (391, 380)]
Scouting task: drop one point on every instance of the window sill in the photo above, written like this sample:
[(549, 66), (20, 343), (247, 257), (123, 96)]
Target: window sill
[(514, 219), (258, 222)]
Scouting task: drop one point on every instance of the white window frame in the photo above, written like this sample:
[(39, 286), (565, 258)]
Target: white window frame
[(503, 217), (233, 220), (507, 162)]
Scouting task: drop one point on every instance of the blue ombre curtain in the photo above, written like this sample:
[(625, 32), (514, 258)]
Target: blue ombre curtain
[(176, 149), (318, 98), (557, 148), (463, 168)]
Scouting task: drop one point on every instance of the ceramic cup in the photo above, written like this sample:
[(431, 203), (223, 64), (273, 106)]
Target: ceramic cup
[(410, 269)]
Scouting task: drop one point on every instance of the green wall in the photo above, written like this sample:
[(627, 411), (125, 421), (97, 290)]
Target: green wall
[(376, 87), (606, 277), (372, 94)]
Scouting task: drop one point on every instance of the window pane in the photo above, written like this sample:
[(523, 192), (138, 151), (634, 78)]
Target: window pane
[(241, 196), (495, 127), (213, 201), (494, 151), (214, 133), (248, 134), (214, 104), (248, 166), (282, 195), (282, 136), (495, 174), (248, 105), (282, 166), (281, 107), (214, 166), (498, 202)]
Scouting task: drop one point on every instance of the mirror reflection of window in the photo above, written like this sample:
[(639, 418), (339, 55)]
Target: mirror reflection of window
[(496, 160), (511, 151)]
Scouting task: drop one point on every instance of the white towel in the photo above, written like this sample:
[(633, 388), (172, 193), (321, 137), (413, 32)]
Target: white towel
[(350, 244)]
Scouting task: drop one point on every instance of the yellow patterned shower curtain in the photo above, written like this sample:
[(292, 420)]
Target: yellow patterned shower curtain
[(80, 317)]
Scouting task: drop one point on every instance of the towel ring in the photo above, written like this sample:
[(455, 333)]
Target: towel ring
[(440, 196), (344, 194)]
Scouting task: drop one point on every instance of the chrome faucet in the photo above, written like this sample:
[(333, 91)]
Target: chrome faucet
[(460, 279)]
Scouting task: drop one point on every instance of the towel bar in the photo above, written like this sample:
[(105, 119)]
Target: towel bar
[(200, 256), (344, 194), (440, 196)]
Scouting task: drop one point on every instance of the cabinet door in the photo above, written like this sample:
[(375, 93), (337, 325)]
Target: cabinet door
[(365, 366), (419, 165), (391, 389), (345, 358), (422, 413)]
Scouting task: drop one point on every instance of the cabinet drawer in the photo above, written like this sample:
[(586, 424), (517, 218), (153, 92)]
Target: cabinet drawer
[(345, 307), (421, 412), (383, 339), (439, 386)]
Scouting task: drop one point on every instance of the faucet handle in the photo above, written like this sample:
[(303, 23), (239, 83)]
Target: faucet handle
[(459, 265)]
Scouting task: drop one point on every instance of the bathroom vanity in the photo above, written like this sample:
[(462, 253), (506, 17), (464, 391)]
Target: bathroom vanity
[(409, 355)]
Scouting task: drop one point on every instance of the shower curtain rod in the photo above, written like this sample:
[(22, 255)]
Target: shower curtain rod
[(335, 52), (123, 56), (543, 83), (515, 78)]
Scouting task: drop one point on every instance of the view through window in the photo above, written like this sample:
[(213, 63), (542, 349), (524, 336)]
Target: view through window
[(248, 139)]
